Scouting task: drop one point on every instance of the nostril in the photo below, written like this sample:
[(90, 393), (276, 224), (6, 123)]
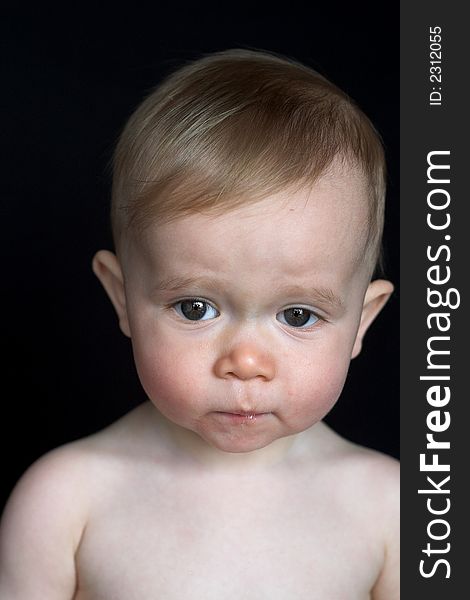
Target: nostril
[(244, 363), (244, 377)]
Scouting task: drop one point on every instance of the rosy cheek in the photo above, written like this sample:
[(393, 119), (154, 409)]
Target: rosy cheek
[(334, 378), (319, 389), (167, 375)]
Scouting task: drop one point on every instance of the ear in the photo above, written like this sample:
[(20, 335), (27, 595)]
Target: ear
[(106, 267), (377, 294)]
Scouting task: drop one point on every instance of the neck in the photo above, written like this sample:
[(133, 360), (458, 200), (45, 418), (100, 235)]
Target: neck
[(191, 447)]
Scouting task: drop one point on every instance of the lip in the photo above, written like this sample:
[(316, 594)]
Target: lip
[(242, 417)]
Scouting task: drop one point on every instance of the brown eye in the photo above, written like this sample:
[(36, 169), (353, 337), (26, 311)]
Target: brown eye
[(297, 316), (196, 310)]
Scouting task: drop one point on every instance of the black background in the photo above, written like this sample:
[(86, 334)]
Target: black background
[(69, 83)]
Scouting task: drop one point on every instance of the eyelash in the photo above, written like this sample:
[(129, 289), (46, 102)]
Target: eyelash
[(180, 302), (179, 312)]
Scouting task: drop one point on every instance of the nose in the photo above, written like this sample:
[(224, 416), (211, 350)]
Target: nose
[(245, 361)]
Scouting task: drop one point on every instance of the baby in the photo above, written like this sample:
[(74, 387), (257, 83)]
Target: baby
[(247, 214)]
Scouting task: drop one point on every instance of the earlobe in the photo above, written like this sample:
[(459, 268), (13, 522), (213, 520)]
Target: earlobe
[(377, 294), (106, 267)]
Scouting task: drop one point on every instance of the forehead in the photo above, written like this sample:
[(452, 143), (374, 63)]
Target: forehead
[(301, 232)]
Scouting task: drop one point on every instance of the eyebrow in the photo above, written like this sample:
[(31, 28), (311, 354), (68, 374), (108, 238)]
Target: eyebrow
[(173, 284), (322, 295)]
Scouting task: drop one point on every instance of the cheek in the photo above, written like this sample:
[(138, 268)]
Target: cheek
[(318, 383), (171, 378), (322, 389)]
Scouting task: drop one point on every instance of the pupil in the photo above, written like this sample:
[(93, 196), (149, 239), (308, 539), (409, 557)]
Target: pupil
[(193, 309), (296, 316)]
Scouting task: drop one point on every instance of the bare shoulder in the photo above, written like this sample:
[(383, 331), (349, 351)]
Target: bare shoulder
[(51, 482), (370, 481), (42, 523), (373, 480), (64, 476), (376, 473), (47, 513)]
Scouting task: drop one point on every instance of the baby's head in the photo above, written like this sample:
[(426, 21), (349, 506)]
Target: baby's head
[(247, 213), (235, 127)]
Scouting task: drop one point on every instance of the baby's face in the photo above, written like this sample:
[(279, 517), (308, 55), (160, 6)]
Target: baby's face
[(243, 325)]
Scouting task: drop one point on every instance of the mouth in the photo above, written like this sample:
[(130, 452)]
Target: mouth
[(242, 416)]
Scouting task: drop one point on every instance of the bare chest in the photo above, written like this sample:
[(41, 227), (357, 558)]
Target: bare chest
[(247, 542)]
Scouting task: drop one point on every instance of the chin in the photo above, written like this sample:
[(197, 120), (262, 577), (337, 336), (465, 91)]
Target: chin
[(238, 445)]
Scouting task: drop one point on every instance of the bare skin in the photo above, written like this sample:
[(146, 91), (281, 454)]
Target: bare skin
[(143, 520), (226, 484)]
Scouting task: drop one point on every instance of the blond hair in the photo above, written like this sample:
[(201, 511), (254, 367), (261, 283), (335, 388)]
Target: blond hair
[(233, 127)]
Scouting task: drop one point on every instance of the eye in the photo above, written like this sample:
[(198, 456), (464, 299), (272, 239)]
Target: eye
[(296, 316), (195, 309)]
